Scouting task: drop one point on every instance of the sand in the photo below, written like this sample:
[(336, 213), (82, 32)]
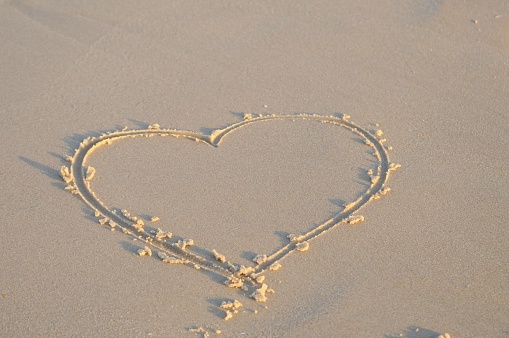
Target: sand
[(352, 247)]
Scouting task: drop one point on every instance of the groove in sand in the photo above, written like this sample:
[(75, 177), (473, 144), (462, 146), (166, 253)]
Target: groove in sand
[(79, 175)]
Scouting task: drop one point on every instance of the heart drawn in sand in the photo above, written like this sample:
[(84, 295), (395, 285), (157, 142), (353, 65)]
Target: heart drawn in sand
[(79, 175)]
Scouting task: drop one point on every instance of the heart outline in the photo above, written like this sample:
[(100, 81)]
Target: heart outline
[(78, 180)]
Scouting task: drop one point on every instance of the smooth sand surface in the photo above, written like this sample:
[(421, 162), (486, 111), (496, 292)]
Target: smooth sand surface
[(431, 257)]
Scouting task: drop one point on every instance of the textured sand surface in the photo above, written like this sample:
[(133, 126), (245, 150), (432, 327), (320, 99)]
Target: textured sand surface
[(430, 257)]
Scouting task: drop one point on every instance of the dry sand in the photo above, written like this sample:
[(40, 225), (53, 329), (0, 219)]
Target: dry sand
[(431, 257)]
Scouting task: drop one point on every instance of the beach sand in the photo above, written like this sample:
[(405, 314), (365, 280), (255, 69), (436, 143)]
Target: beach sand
[(431, 257)]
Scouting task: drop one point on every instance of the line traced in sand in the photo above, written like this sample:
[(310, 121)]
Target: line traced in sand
[(79, 175)]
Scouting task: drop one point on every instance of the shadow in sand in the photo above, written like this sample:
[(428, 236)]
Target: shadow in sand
[(48, 171), (414, 331)]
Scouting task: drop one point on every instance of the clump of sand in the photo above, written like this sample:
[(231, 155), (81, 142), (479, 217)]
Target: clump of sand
[(295, 238), (231, 305), (205, 332), (243, 271), (160, 234), (219, 257), (184, 243), (90, 173), (260, 294), (66, 175), (230, 308), (234, 282), (354, 219), (145, 251), (260, 279), (445, 335), (139, 225), (259, 259), (303, 246), (275, 266), (170, 259)]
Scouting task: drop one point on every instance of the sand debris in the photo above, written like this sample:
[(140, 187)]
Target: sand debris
[(139, 225), (154, 219), (354, 219), (260, 294), (259, 259), (64, 171), (394, 166), (303, 246), (66, 175), (295, 238), (230, 308), (231, 266), (379, 133), (154, 126), (90, 173), (198, 330), (275, 266), (145, 251), (160, 234), (228, 315), (348, 205), (132, 218), (231, 305), (184, 243), (204, 332), (174, 260), (103, 221), (260, 279), (445, 335), (170, 259), (218, 256), (234, 282), (243, 271)]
